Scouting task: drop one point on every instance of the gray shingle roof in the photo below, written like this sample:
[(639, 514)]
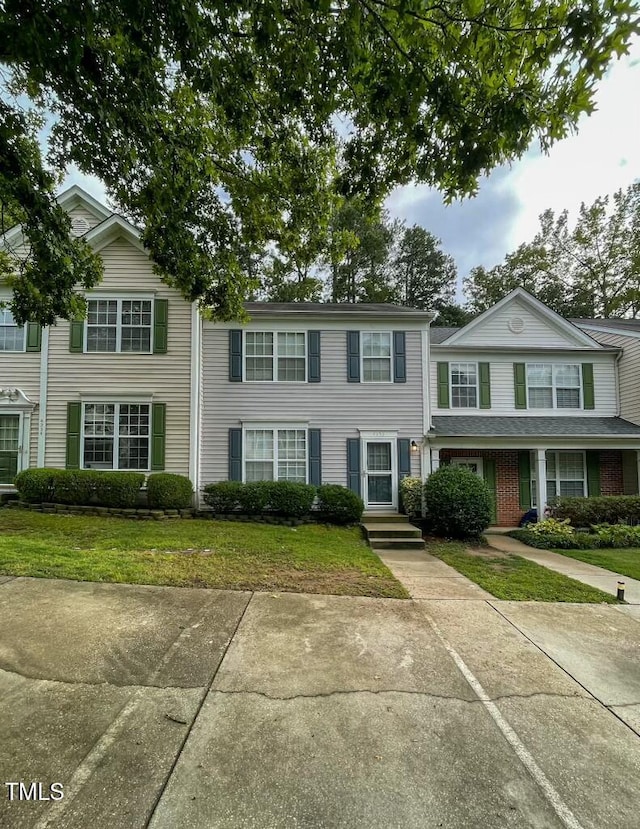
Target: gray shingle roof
[(439, 335), (468, 425), (623, 325), (333, 308)]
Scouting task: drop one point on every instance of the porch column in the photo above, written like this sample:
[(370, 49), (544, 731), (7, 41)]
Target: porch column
[(541, 482), (435, 459)]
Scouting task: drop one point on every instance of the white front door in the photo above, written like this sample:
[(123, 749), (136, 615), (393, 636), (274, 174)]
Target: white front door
[(380, 474), (472, 464)]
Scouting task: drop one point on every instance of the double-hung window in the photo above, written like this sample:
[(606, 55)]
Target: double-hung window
[(566, 475), (12, 336), (275, 356), (116, 436), (119, 325), (464, 385), (275, 455), (553, 386), (376, 357)]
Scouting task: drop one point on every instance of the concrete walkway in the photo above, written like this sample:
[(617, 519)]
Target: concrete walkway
[(604, 580), (426, 577)]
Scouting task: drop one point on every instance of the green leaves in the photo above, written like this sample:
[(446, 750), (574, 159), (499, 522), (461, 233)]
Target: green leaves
[(226, 130)]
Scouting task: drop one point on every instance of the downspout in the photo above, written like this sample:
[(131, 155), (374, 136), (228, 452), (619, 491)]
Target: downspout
[(44, 391), (194, 403), (619, 356)]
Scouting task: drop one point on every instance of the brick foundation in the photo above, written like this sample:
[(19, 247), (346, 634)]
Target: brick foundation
[(509, 511)]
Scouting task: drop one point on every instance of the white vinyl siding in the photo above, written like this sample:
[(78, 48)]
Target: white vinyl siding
[(275, 356), (628, 368), (502, 382), (338, 408), (463, 380), (126, 377)]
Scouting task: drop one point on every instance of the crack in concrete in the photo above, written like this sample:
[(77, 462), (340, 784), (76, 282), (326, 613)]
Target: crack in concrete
[(78, 683)]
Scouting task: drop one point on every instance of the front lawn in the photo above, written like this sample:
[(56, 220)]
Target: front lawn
[(511, 577), (625, 560), (196, 553)]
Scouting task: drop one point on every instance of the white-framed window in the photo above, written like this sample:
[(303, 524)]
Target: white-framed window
[(464, 385), (275, 454), (376, 356), (275, 356), (116, 436), (554, 386), (122, 324), (12, 335), (566, 475)]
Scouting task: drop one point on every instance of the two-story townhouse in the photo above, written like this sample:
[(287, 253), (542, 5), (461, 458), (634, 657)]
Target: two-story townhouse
[(530, 402), (117, 390), (317, 393)]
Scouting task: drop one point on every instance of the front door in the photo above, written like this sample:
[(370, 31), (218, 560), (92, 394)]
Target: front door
[(380, 474), (9, 447), (472, 464)]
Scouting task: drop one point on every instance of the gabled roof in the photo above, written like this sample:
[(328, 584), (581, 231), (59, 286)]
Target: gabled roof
[(535, 306), (624, 327), (110, 229), (371, 309), (75, 195), (439, 335)]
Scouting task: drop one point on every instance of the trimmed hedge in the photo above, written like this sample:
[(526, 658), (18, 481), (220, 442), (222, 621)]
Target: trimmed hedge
[(411, 495), (339, 505), (80, 487), (335, 504), (168, 491), (457, 503), (551, 541), (601, 509)]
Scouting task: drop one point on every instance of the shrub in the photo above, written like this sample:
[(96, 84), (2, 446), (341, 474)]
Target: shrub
[(457, 502), (76, 486), (551, 541), (552, 526), (608, 509), (118, 489), (339, 505), (168, 491), (223, 496), (281, 497), (617, 535), (37, 486), (411, 495), (255, 496)]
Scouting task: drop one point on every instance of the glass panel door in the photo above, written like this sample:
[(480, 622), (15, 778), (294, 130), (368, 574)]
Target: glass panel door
[(379, 489), (9, 447)]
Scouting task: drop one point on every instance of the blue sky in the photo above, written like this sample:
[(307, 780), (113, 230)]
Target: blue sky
[(602, 157)]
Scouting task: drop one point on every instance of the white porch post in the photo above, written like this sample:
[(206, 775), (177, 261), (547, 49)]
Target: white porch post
[(541, 482), (435, 459)]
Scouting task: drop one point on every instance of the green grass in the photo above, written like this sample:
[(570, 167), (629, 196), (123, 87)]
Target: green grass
[(511, 577), (197, 553), (625, 560)]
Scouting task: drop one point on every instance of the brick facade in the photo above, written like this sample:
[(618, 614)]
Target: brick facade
[(509, 511)]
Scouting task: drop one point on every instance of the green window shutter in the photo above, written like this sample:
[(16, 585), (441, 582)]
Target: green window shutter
[(235, 359), (235, 454), (588, 395), (593, 472), (34, 336), (74, 421), (313, 355), (76, 336), (399, 357), (315, 457), (520, 385), (443, 385), (353, 356), (158, 435), (489, 473), (353, 465), (484, 377), (524, 469), (160, 325)]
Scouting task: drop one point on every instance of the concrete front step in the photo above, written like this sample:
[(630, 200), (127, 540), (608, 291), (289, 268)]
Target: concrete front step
[(384, 518), (396, 543), (392, 531)]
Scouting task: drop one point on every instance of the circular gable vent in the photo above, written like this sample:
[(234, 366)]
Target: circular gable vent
[(516, 325), (79, 226)]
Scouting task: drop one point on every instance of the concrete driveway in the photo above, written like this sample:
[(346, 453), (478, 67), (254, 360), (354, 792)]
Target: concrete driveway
[(176, 708)]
